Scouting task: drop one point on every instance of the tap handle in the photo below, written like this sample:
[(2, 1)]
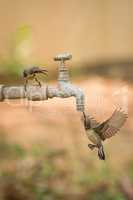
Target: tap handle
[(63, 57)]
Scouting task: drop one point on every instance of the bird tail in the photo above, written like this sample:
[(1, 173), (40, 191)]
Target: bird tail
[(101, 153)]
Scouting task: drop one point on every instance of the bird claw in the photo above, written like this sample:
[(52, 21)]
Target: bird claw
[(27, 73)]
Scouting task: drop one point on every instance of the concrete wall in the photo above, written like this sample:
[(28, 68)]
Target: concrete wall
[(90, 29)]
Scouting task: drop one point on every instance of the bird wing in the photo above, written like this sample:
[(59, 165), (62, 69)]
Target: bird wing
[(39, 70), (90, 122), (112, 125)]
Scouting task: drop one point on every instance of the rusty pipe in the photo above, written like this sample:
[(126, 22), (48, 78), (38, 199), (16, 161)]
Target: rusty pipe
[(64, 88)]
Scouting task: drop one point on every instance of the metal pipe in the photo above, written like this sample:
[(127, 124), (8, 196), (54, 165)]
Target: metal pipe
[(35, 93), (65, 86)]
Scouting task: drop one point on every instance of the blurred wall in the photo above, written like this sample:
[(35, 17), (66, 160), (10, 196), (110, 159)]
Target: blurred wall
[(90, 29)]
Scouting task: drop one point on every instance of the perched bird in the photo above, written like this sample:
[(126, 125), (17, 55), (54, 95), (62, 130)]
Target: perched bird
[(30, 73), (98, 132)]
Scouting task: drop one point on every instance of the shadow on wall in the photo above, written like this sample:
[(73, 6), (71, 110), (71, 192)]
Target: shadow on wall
[(108, 69), (119, 70)]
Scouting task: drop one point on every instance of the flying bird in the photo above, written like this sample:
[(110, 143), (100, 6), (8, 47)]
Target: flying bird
[(98, 132), (30, 74)]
